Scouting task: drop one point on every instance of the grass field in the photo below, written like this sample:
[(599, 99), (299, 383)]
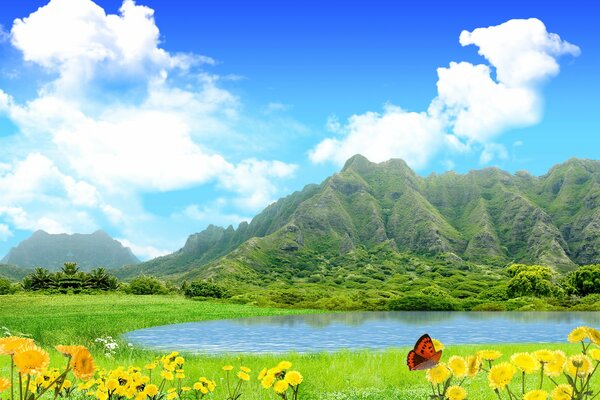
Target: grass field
[(362, 375)]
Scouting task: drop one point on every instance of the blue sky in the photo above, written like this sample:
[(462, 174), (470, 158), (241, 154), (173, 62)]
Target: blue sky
[(153, 119)]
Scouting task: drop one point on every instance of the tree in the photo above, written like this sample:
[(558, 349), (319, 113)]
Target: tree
[(146, 285), (100, 279), (584, 281), (531, 280), (205, 289), (70, 277), (39, 279)]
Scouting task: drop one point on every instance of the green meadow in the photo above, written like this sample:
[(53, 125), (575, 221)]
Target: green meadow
[(364, 375)]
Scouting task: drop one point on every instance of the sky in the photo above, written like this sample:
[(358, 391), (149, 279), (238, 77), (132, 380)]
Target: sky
[(153, 119)]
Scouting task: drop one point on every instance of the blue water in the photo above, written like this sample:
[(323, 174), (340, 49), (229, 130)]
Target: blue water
[(360, 330)]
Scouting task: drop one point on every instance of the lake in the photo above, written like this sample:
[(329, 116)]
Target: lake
[(360, 330)]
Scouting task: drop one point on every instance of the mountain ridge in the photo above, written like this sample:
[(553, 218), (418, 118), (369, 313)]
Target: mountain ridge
[(486, 216), (97, 249)]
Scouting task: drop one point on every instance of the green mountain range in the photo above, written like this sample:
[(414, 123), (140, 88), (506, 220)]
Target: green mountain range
[(370, 218), (51, 251)]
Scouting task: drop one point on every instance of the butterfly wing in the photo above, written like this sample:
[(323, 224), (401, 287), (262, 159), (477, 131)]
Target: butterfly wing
[(424, 355)]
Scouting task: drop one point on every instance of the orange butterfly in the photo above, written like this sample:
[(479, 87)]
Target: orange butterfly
[(424, 355)]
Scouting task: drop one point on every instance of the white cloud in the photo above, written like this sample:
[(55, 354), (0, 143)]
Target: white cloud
[(379, 137), (122, 117), (471, 108), (5, 232), (143, 252), (492, 151)]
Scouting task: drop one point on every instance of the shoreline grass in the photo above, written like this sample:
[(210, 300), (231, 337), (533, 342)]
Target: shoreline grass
[(343, 375)]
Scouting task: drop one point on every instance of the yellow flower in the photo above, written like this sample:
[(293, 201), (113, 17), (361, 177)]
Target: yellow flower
[(262, 374), (83, 364), (112, 384), (243, 376), (544, 356), (179, 360), (473, 365), (180, 374), (281, 387), (578, 334), (500, 375), (10, 345), (227, 367), (595, 354), (31, 360), (294, 378), (267, 381), (536, 395), (172, 396), (437, 345), (489, 355), (141, 396), (456, 393), (4, 384), (245, 369), (185, 388), (150, 366), (100, 395), (67, 350), (284, 365), (458, 366), (168, 375), (525, 362), (562, 392), (580, 365), (198, 385), (67, 384), (438, 374), (594, 336), (556, 365)]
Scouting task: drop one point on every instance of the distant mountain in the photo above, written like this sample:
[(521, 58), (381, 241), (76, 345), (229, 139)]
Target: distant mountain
[(486, 216), (14, 273), (52, 250)]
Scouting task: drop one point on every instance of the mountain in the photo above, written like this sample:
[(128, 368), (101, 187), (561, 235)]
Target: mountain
[(14, 273), (485, 217), (52, 250)]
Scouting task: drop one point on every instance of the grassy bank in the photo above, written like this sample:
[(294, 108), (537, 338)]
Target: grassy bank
[(346, 375)]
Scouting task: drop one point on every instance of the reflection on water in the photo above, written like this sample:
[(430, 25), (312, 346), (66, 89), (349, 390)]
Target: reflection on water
[(360, 330)]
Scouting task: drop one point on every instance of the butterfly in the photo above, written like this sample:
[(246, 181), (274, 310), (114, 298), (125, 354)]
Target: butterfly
[(424, 355)]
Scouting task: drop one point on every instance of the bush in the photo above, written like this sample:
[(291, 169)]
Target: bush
[(585, 280), (421, 302), (489, 307), (205, 289), (146, 285), (5, 286)]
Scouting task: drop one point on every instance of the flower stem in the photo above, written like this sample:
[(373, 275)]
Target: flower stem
[(12, 377), (542, 376)]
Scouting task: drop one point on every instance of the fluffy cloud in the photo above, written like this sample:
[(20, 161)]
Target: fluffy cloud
[(5, 232), (471, 108), (122, 117)]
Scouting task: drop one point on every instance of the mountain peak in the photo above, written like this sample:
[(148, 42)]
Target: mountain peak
[(357, 162)]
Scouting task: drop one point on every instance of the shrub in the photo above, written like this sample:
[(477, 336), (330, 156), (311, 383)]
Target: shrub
[(421, 302), (489, 307), (205, 289), (584, 281), (5, 286), (146, 285)]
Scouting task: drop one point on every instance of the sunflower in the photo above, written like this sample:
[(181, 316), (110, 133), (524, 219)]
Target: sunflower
[(536, 395), (578, 334), (294, 378), (31, 360), (456, 393), (489, 355), (83, 364), (438, 374), (595, 354), (562, 392), (68, 351), (458, 366), (4, 384), (500, 375), (525, 362), (10, 345), (151, 390)]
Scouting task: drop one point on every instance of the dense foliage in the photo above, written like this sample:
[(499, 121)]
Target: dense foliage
[(70, 279)]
